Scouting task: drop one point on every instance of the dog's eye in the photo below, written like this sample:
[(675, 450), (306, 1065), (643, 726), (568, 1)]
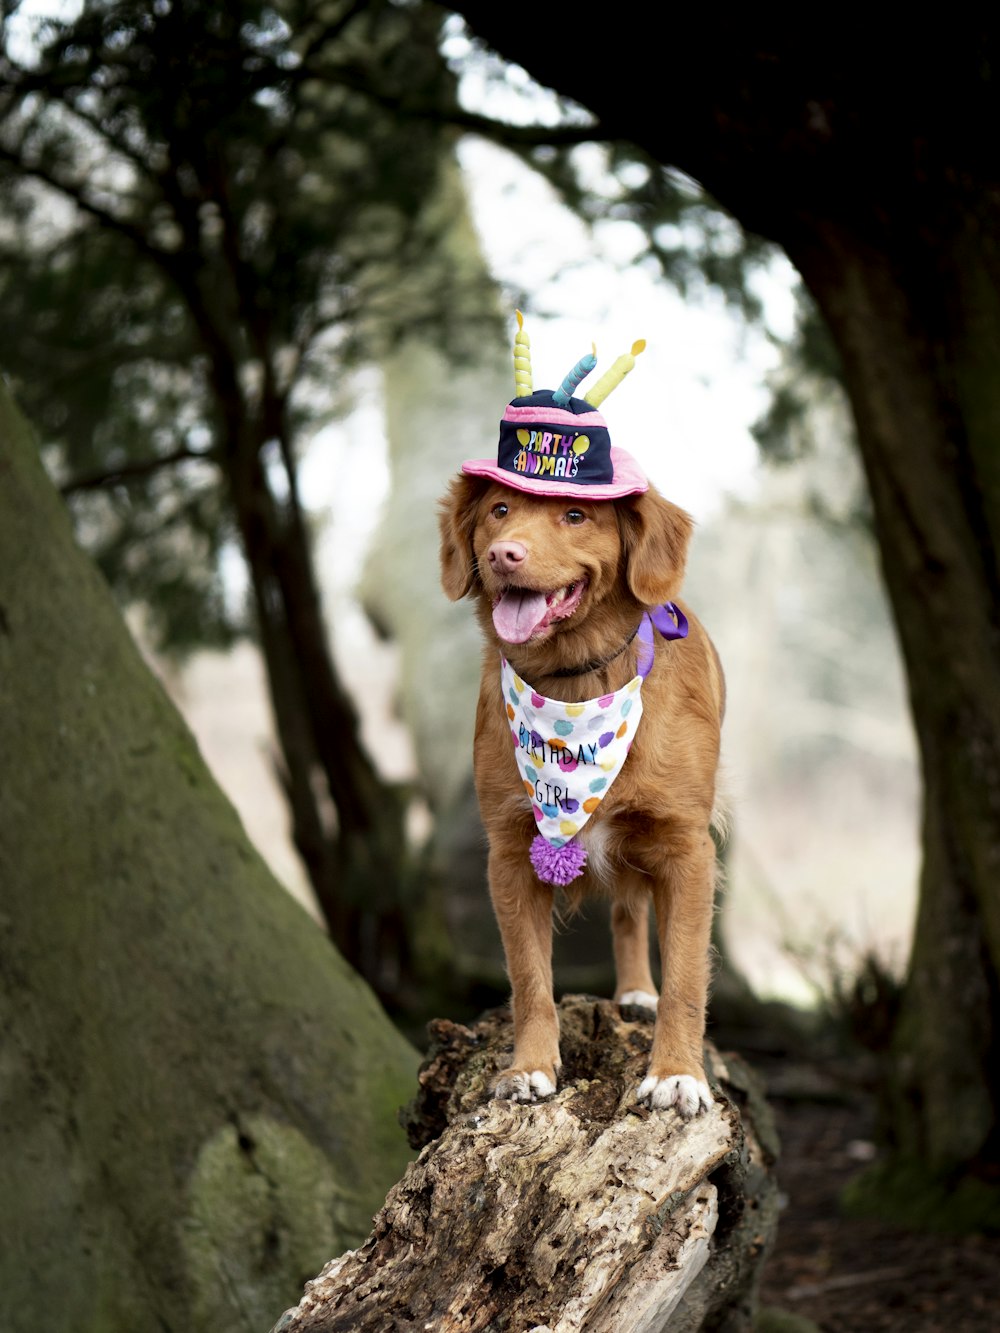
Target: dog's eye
[(499, 511), (575, 516)]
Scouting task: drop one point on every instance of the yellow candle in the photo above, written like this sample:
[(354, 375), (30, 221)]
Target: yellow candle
[(522, 360), (613, 377)]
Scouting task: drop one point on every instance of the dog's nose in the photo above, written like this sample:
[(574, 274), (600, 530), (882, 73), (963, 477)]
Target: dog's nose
[(504, 556)]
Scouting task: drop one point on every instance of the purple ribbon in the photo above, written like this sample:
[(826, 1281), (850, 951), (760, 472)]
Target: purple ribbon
[(671, 622)]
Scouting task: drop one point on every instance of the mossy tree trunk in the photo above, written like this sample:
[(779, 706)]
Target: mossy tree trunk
[(198, 1097), (915, 311), (869, 153)]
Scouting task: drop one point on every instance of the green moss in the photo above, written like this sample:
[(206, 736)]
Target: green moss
[(905, 1191), (198, 1106), (266, 1211)]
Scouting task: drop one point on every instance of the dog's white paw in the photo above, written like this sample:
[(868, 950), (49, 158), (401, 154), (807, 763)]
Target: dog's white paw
[(687, 1095), (644, 998), (521, 1085)]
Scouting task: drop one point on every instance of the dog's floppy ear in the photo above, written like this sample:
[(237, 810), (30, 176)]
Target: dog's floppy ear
[(456, 520), (655, 535)]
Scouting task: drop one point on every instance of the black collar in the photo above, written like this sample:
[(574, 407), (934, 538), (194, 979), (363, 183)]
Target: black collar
[(595, 662)]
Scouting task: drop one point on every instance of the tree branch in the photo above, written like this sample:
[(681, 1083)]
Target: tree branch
[(502, 132), (145, 467), (73, 191)]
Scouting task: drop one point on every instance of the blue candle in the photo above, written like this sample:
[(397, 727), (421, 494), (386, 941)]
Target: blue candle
[(579, 372)]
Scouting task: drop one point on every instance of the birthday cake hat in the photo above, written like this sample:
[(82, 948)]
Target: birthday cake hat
[(554, 444)]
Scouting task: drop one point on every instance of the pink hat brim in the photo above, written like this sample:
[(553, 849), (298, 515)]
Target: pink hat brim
[(629, 479)]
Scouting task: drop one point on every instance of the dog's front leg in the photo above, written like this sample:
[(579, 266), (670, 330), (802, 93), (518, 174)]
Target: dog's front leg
[(523, 907), (683, 893)]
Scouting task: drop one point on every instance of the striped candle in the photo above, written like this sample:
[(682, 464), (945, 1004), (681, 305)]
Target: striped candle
[(522, 360), (579, 372), (613, 377)]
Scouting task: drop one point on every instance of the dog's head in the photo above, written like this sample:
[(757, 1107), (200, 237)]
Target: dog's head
[(545, 565)]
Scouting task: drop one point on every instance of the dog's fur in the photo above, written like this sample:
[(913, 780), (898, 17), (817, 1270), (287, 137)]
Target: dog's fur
[(650, 837)]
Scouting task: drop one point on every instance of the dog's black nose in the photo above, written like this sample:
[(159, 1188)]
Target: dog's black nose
[(506, 555)]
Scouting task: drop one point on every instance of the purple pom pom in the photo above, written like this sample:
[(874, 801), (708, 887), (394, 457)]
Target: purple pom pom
[(557, 865)]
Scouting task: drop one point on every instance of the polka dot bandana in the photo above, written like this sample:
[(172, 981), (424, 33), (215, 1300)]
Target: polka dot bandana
[(568, 755)]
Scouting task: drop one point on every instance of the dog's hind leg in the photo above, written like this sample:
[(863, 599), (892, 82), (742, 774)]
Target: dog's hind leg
[(630, 936), (683, 892), (523, 908)]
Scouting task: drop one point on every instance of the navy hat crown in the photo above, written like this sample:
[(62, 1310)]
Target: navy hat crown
[(546, 435)]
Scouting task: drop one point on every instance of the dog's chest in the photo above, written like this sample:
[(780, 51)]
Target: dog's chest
[(569, 755)]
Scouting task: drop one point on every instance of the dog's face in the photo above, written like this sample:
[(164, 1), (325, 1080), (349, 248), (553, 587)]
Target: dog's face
[(545, 565), (542, 561)]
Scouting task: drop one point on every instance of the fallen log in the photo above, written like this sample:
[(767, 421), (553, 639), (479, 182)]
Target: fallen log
[(582, 1212)]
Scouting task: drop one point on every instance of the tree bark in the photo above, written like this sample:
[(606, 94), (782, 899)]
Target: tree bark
[(584, 1212), (918, 327), (198, 1095)]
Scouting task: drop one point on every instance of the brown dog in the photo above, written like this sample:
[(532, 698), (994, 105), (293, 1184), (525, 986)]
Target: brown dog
[(561, 585)]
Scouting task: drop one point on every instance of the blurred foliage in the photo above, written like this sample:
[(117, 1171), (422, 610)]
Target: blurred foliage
[(601, 176), (689, 239), (858, 991), (811, 361), (808, 422), (185, 187)]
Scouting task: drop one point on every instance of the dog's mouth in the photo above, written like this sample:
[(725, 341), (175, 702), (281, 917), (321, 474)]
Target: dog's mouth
[(520, 614)]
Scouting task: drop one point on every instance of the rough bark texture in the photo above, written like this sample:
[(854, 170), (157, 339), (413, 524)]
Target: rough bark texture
[(583, 1212), (869, 154), (928, 420), (197, 1095)]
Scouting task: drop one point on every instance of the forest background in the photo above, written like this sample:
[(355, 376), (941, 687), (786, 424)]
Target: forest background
[(222, 232)]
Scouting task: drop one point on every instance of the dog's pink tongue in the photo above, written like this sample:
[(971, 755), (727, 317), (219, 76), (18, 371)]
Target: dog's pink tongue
[(518, 614)]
